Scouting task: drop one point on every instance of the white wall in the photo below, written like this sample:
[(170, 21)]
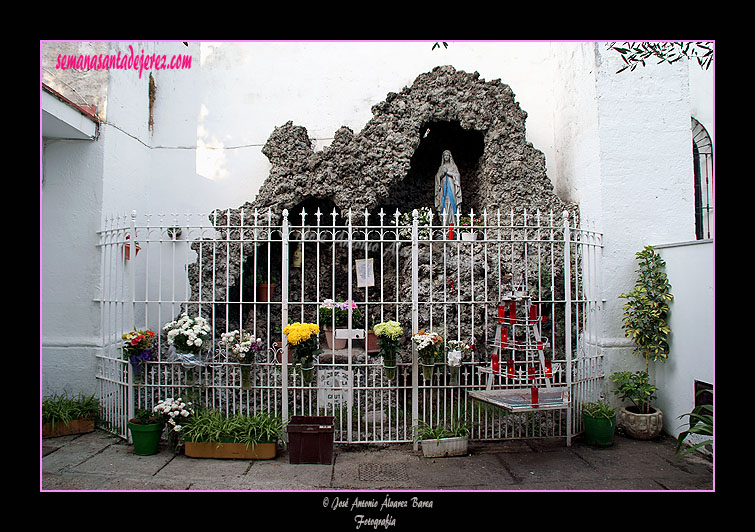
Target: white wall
[(690, 269), (70, 268), (646, 178), (211, 121)]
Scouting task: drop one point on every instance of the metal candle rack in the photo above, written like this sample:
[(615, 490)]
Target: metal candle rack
[(518, 330)]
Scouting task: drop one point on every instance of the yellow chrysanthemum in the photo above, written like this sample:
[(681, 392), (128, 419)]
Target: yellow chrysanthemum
[(300, 332)]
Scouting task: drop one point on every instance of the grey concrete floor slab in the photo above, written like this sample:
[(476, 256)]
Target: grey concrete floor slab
[(101, 462)]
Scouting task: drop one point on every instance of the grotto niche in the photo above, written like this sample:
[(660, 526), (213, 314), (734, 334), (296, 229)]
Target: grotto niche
[(390, 165)]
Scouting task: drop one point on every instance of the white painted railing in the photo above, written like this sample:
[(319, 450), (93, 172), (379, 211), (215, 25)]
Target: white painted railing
[(425, 277)]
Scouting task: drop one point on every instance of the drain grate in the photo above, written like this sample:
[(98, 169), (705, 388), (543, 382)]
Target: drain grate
[(382, 472)]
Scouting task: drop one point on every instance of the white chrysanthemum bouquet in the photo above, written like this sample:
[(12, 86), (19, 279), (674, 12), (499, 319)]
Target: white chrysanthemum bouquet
[(241, 346), (188, 335)]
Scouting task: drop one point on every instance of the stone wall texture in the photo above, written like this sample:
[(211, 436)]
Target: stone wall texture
[(361, 171)]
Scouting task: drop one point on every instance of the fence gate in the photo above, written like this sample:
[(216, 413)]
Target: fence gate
[(257, 272)]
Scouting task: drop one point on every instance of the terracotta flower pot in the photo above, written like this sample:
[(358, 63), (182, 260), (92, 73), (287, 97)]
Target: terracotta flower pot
[(263, 290), (127, 251), (372, 343), (332, 341)]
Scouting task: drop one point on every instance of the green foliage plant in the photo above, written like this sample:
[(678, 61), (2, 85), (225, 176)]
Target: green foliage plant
[(598, 409), (143, 416), (700, 423), (425, 431), (338, 311), (646, 310), (62, 408), (635, 387), (211, 426)]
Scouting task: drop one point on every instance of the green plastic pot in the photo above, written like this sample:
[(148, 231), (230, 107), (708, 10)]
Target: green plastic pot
[(599, 430), (145, 437)]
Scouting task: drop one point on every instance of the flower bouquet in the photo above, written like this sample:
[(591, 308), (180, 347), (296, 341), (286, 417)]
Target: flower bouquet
[(187, 337), (429, 351), (388, 335), (424, 217), (172, 412), (456, 352), (242, 347), (305, 339), (137, 348)]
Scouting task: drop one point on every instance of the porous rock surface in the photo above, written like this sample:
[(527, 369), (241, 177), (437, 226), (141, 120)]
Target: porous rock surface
[(357, 172)]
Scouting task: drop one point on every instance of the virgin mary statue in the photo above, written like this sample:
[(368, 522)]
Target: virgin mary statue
[(447, 189)]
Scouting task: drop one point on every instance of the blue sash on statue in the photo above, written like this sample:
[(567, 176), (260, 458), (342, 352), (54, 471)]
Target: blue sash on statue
[(448, 193)]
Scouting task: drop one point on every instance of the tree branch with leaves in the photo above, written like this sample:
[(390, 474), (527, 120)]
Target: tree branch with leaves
[(636, 53)]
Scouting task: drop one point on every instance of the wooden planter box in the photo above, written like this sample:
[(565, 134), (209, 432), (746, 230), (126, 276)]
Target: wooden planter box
[(76, 426), (230, 450)]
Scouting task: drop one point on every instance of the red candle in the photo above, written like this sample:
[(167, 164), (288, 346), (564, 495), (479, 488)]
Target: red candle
[(533, 314), (534, 394), (531, 372), (504, 336), (540, 345), (450, 231), (501, 314), (495, 362), (510, 367), (512, 311), (548, 367)]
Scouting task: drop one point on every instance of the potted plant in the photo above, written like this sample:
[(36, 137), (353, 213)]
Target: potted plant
[(599, 420), (305, 339), (335, 315), (188, 337), (137, 349), (429, 351), (388, 335), (442, 440), (466, 227), (242, 348), (265, 288), (457, 350), (63, 415), (212, 434), (127, 248), (640, 420), (173, 413), (146, 428), (645, 321)]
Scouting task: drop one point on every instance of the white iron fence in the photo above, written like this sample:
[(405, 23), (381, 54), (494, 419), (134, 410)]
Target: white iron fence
[(393, 267)]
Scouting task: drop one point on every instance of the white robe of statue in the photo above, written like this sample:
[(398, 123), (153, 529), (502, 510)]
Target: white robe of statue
[(447, 189)]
